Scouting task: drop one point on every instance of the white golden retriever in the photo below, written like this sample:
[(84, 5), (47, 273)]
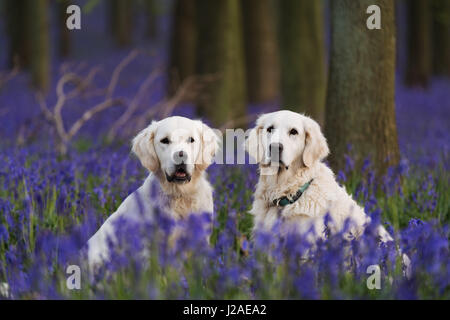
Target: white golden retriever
[(295, 187), (176, 151)]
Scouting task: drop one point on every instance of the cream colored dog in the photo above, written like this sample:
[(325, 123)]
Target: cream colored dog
[(176, 151), (295, 187)]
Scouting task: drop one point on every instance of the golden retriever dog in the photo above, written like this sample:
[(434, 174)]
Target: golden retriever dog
[(176, 151), (295, 188)]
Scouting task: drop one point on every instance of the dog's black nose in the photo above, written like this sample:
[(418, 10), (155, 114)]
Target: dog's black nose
[(275, 148), (179, 157)]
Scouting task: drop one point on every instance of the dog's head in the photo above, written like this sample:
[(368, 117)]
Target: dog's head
[(176, 146), (285, 138)]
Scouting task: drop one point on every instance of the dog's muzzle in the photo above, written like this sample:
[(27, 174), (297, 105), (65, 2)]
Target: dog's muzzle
[(275, 151), (180, 174)]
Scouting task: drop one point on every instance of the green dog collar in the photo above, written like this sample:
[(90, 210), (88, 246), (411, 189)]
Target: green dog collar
[(284, 201)]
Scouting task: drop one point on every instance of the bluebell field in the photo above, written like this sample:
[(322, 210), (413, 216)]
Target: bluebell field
[(51, 204)]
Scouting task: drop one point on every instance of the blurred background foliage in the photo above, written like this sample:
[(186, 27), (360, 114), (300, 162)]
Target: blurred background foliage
[(251, 56)]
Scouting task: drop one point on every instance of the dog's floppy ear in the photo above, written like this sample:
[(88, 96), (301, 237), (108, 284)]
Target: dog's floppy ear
[(143, 147), (209, 146), (316, 147)]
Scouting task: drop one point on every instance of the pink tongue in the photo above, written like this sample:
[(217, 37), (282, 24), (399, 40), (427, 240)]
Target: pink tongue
[(180, 174)]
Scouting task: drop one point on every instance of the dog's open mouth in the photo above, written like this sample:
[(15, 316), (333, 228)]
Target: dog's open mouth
[(180, 174)]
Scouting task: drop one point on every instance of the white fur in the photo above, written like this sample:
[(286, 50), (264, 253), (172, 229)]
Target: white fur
[(179, 199), (300, 161)]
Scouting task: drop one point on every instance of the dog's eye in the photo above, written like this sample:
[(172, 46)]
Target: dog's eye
[(191, 140), (293, 132), (269, 129), (165, 141)]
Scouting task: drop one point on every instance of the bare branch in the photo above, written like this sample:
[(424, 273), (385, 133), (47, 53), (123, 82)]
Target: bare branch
[(43, 105), (134, 105), (4, 78), (84, 83), (189, 90), (62, 97), (81, 86), (116, 74), (61, 100), (90, 113)]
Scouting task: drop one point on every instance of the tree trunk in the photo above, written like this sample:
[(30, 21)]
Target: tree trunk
[(183, 43), (121, 21), (302, 45), (261, 51), (360, 108), (151, 9), (419, 43), (64, 32), (40, 44), (220, 53), (441, 37), (18, 31)]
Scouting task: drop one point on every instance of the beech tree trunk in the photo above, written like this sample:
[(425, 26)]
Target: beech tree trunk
[(261, 51), (18, 29), (303, 76), (441, 37), (64, 33), (419, 64), (183, 43), (151, 8), (220, 53), (360, 108), (40, 43), (121, 20)]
